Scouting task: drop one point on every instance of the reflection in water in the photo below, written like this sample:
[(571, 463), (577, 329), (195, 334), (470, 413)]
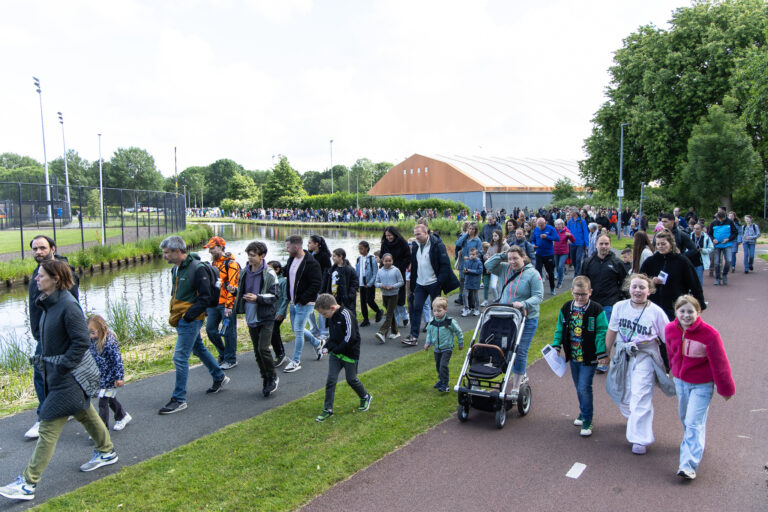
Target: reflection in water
[(149, 285)]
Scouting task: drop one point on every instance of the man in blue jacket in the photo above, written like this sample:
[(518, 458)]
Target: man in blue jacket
[(431, 274), (578, 248), (544, 236)]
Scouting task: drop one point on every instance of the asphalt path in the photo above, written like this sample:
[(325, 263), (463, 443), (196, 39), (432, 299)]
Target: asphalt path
[(150, 434), (474, 466)]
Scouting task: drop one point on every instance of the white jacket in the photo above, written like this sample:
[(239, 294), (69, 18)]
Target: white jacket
[(706, 249)]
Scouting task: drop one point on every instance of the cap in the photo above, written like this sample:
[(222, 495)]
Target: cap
[(216, 240)]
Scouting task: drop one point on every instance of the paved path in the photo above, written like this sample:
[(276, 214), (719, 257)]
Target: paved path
[(474, 466), (150, 434)]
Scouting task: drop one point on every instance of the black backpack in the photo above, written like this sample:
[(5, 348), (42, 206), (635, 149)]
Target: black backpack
[(213, 279)]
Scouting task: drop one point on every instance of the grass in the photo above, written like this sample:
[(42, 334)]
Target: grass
[(281, 459), (10, 240), (764, 256), (132, 327), (15, 371)]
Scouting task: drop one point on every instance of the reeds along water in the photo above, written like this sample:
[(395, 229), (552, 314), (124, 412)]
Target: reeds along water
[(131, 326)]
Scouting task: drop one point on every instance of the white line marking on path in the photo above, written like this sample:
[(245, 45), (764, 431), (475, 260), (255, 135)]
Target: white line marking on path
[(745, 437), (758, 410), (576, 470)]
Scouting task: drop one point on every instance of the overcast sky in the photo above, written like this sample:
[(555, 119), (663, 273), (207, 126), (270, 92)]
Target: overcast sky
[(248, 79)]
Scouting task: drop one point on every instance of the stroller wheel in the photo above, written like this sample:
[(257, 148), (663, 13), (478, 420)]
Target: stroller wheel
[(501, 417), (463, 413), (524, 399)]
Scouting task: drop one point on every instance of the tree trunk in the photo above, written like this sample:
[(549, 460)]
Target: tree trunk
[(727, 201)]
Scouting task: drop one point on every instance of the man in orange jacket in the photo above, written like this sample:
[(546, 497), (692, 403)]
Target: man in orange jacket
[(223, 315)]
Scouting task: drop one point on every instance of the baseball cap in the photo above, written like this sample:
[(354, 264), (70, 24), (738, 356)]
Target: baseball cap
[(216, 240)]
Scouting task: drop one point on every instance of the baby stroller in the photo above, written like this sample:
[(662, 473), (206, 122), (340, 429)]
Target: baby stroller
[(488, 365)]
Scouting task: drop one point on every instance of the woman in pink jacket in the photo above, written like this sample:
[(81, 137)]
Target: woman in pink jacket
[(561, 250), (698, 363)]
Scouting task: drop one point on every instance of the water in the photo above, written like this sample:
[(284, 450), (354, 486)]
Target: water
[(149, 285)]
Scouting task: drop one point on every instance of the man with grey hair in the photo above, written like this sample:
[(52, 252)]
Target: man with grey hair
[(189, 299), (486, 234)]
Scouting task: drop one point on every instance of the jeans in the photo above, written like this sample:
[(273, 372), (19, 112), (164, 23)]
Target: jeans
[(548, 262), (39, 380), (401, 313), (608, 310), (734, 252), (583, 374), (350, 372), (420, 295), (577, 255), (693, 406), (442, 359), (368, 298), (722, 253), (317, 325), (749, 256), (107, 403), (521, 359), (560, 267), (471, 299), (189, 341), (227, 347), (299, 315), (700, 273), (487, 287), (261, 337), (50, 430)]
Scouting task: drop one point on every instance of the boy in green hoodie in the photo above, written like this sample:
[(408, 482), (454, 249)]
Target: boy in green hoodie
[(441, 331)]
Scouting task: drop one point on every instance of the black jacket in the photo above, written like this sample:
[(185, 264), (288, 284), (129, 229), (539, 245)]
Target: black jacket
[(607, 278), (343, 334), (308, 280), (324, 259), (681, 279), (346, 286), (34, 310), (588, 345), (441, 264)]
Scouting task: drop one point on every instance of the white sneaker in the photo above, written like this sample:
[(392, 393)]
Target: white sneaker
[(33, 432), (120, 425), (319, 349), (464, 312), (291, 367), (476, 312), (393, 336), (380, 337), (19, 489), (484, 304)]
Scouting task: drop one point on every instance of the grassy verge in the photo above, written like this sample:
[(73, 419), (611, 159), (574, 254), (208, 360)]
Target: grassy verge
[(764, 256), (281, 459), (9, 240), (193, 235)]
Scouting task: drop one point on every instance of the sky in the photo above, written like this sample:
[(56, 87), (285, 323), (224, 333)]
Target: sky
[(252, 79)]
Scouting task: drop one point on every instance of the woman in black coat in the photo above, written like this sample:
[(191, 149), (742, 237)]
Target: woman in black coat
[(64, 340), (319, 249), (392, 242), (681, 278), (340, 280)]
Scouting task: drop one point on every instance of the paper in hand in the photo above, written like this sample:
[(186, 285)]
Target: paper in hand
[(554, 360)]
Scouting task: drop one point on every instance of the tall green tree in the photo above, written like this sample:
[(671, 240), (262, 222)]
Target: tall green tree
[(133, 168), (220, 174), (663, 82), (242, 187), (78, 168), (721, 159), (284, 188), (14, 161)]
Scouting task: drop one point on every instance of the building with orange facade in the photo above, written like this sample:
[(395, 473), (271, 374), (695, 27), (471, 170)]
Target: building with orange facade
[(479, 182)]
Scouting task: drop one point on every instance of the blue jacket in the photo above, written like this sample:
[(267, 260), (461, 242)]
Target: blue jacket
[(474, 268), (440, 262), (370, 269), (580, 231), (526, 246), (465, 244), (545, 246), (109, 361)]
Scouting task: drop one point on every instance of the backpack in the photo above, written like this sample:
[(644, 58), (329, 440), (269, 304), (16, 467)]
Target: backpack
[(215, 285)]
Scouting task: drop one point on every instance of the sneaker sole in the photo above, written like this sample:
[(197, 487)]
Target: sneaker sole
[(224, 382), (25, 497), (291, 370), (100, 465), (178, 409)]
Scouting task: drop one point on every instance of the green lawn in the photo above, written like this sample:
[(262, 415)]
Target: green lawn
[(764, 256), (10, 240), (282, 458)]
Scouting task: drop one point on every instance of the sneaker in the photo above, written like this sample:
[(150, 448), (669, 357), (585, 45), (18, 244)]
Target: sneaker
[(226, 365), (217, 385), (33, 432), (725, 280), (552, 291), (638, 449), (271, 386), (292, 366), (601, 368), (379, 314), (173, 406), (365, 323), (476, 312), (484, 304), (365, 403), (120, 425), (746, 271), (443, 389), (410, 340), (99, 459), (19, 489), (394, 336), (319, 350), (458, 301), (324, 416), (281, 360), (559, 285), (586, 430), (686, 474), (424, 329), (437, 385), (380, 337), (465, 312), (717, 282), (405, 322), (578, 421)]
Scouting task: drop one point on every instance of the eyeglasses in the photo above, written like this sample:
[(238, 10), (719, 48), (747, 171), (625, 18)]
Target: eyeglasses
[(580, 294)]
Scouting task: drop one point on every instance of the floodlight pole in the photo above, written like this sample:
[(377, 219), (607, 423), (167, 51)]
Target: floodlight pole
[(331, 166), (45, 155), (101, 196), (621, 179), (66, 173)]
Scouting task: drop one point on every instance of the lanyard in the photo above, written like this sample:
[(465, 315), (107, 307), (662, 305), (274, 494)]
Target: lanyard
[(634, 324)]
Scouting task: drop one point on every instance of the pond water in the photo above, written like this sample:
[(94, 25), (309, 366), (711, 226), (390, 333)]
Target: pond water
[(148, 286)]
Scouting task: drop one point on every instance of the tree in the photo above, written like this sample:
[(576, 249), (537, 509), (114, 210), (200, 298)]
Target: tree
[(284, 188), (663, 82), (242, 187), (78, 168), (313, 181), (220, 174), (132, 168), (720, 159), (563, 189), (14, 161)]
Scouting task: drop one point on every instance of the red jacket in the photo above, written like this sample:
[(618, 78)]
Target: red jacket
[(561, 247), (698, 356)]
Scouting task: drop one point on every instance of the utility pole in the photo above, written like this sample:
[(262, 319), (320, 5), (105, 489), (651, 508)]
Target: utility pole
[(45, 155), (66, 173), (331, 166), (101, 196), (620, 192)]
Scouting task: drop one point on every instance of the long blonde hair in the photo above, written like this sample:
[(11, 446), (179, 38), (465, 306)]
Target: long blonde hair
[(100, 326)]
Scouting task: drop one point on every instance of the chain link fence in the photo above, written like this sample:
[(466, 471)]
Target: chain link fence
[(78, 216)]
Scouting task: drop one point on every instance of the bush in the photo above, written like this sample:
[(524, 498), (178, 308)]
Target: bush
[(341, 200), (655, 200)]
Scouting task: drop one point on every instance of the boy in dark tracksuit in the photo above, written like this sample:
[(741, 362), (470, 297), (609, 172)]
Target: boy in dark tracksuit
[(343, 345)]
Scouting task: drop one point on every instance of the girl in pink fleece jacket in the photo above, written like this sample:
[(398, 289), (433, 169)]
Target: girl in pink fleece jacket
[(698, 363)]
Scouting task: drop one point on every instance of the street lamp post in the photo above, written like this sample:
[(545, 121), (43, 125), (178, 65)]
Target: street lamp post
[(642, 194), (101, 196), (45, 156), (331, 166), (261, 195), (66, 173), (621, 179)]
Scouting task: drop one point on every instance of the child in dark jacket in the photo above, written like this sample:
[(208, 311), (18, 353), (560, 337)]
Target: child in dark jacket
[(340, 280), (580, 331), (282, 312), (441, 331), (473, 272), (106, 352), (343, 345)]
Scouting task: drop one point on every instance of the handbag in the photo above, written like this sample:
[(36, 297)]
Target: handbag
[(86, 373)]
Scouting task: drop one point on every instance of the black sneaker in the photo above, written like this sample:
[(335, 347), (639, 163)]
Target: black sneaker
[(379, 314), (405, 322), (217, 384), (365, 323), (365, 403), (172, 407), (271, 386), (410, 340)]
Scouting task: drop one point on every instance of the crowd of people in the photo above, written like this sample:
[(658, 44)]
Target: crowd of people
[(639, 310)]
